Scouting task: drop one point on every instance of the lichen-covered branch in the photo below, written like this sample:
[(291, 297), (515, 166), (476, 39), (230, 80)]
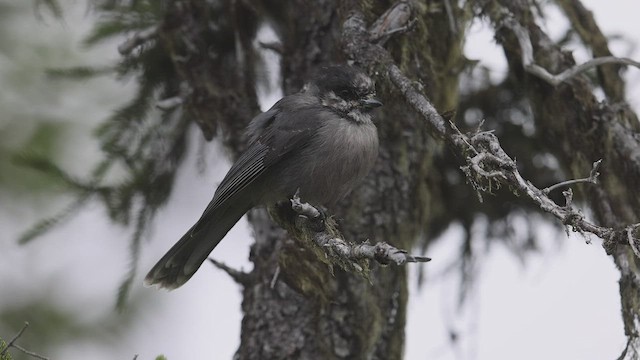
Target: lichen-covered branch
[(381, 252), (346, 252), (503, 169), (315, 233), (488, 162)]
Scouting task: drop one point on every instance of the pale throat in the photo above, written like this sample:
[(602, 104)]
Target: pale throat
[(351, 109)]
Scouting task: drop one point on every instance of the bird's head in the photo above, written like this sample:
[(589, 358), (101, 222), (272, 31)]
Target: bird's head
[(346, 90)]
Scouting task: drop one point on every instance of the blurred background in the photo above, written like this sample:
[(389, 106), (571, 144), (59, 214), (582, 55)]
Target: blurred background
[(562, 301)]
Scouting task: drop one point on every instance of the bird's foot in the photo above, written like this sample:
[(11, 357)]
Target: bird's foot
[(314, 216)]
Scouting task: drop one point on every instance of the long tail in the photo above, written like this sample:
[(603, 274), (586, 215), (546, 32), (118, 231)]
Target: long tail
[(179, 264)]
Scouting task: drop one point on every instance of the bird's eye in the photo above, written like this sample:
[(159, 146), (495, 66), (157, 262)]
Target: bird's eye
[(345, 93)]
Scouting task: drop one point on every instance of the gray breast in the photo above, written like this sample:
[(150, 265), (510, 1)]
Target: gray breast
[(341, 154)]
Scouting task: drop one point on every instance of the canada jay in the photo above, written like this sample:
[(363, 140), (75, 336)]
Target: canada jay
[(320, 141)]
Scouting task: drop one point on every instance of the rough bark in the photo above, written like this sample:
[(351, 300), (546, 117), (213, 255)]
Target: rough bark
[(340, 315)]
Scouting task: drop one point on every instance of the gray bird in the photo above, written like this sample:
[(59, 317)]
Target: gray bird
[(320, 141)]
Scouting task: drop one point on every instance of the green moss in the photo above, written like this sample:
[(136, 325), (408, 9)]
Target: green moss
[(6, 355), (305, 266)]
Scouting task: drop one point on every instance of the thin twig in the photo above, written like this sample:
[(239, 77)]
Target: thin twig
[(274, 46), (176, 100), (275, 277), (238, 276), (137, 40), (593, 179), (30, 353), (170, 103), (15, 337), (12, 343)]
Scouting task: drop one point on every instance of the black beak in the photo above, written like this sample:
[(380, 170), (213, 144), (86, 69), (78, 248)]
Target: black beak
[(370, 103)]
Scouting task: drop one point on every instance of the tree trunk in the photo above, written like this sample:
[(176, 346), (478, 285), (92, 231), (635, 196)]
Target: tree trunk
[(295, 307)]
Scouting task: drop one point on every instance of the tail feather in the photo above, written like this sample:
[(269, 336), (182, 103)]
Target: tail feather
[(179, 264)]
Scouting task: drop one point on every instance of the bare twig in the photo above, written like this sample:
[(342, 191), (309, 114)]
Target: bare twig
[(238, 276), (15, 337), (170, 103), (30, 353), (177, 100), (12, 344), (274, 46), (275, 277), (593, 178), (531, 67), (137, 40)]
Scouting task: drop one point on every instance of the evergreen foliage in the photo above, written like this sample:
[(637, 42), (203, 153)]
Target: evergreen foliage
[(147, 143)]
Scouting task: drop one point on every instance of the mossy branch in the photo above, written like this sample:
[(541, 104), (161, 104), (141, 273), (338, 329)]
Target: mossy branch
[(314, 231)]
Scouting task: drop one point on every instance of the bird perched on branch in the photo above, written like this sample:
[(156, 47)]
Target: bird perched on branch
[(319, 142)]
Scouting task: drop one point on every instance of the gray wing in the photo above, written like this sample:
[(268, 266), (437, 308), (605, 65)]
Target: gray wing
[(276, 134)]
